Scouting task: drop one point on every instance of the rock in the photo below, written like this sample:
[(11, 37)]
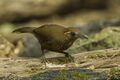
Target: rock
[(30, 47)]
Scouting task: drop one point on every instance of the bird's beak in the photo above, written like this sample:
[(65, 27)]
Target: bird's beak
[(83, 36)]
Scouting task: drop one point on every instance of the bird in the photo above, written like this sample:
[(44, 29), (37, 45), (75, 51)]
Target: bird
[(54, 37)]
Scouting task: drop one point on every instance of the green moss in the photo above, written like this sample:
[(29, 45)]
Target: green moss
[(107, 38), (74, 75), (62, 75), (114, 74), (79, 76), (6, 27)]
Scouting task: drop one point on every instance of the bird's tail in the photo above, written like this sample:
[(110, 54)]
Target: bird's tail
[(25, 29)]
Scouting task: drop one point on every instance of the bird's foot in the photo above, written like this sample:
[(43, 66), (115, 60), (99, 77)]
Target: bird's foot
[(70, 58), (45, 61)]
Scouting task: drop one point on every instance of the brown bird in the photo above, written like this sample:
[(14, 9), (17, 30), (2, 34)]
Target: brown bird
[(54, 37)]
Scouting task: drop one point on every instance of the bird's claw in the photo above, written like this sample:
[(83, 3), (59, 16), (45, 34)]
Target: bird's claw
[(70, 58)]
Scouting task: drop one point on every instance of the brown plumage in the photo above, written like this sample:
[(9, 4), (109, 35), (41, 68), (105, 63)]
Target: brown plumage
[(54, 37)]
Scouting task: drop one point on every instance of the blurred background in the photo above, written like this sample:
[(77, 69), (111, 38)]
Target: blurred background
[(14, 13), (91, 14)]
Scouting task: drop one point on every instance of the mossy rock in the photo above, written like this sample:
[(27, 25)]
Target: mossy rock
[(107, 38), (71, 74)]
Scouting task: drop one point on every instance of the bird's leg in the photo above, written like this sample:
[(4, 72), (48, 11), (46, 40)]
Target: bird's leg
[(44, 58), (68, 56)]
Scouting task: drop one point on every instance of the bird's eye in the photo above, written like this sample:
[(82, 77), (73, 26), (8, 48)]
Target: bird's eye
[(72, 33)]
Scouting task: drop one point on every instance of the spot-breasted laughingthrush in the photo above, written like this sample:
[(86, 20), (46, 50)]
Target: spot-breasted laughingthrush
[(54, 37)]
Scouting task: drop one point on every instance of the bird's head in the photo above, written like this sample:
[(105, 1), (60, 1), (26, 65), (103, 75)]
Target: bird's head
[(74, 33)]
